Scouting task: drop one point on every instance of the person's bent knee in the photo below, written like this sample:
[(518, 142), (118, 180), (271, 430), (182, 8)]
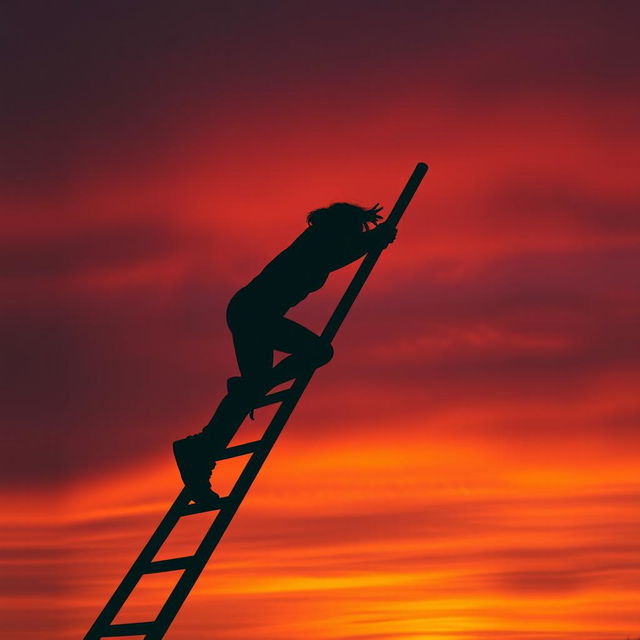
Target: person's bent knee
[(323, 354)]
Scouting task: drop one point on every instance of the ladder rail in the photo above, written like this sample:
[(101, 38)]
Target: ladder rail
[(135, 573), (227, 507), (244, 482), (365, 268)]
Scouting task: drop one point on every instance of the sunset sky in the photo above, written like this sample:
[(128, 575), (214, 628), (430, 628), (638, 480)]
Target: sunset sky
[(468, 465)]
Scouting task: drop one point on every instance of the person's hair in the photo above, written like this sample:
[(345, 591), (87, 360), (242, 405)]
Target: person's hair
[(343, 216)]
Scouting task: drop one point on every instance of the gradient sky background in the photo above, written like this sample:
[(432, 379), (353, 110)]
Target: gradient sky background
[(467, 466)]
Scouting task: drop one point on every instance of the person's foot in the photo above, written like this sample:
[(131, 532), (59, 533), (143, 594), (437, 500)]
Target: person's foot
[(203, 494), (194, 464)]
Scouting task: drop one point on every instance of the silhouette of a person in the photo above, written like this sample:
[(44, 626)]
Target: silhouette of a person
[(335, 236)]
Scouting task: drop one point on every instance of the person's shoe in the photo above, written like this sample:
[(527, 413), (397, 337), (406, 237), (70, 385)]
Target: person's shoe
[(203, 494), (194, 464)]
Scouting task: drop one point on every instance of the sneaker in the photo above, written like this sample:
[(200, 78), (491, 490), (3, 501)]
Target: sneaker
[(203, 494), (194, 464)]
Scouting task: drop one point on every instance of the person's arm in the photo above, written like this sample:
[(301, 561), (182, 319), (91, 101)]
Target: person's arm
[(346, 249)]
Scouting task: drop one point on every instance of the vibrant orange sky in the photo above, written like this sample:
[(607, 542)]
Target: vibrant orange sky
[(467, 466)]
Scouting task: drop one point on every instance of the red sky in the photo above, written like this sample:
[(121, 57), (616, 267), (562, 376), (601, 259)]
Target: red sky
[(466, 466)]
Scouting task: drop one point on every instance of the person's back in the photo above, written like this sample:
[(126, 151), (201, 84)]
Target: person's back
[(294, 273)]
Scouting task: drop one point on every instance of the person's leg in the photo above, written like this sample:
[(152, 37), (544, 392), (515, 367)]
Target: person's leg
[(195, 455), (253, 345), (308, 350), (254, 342), (255, 360)]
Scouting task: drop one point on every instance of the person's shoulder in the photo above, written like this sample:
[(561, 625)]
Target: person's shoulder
[(327, 231), (315, 233), (306, 240)]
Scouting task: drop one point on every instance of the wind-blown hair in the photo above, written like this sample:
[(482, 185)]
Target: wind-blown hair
[(344, 216)]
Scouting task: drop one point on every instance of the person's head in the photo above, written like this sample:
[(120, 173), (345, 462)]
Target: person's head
[(344, 217)]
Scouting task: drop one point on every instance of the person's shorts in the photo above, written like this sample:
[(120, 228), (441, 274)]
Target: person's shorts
[(247, 310)]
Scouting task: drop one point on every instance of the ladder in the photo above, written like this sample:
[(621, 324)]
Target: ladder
[(192, 566)]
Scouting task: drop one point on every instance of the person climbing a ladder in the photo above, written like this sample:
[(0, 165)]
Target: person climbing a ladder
[(335, 237)]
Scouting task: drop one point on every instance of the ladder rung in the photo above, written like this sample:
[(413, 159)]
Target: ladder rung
[(171, 564), (191, 509), (273, 398), (239, 450), (128, 629)]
